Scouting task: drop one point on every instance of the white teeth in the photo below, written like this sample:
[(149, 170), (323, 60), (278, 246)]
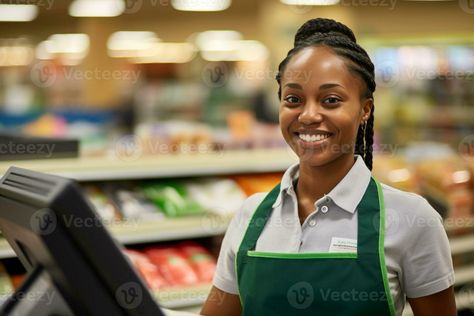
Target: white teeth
[(313, 138)]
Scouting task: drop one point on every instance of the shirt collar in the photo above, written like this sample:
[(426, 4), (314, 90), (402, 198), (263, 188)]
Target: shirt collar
[(346, 194), (286, 185)]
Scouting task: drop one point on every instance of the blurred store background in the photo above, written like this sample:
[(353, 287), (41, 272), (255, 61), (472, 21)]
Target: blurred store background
[(174, 106)]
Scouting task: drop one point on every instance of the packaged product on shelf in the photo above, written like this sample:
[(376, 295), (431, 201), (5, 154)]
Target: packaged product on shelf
[(173, 137), (147, 269), (394, 171), (102, 204), (446, 183), (133, 204), (200, 259), (218, 195), (253, 183), (173, 266), (172, 197)]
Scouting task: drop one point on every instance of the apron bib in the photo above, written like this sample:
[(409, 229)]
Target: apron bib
[(335, 284)]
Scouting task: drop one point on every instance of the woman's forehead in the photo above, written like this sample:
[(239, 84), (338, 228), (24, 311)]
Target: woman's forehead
[(317, 64)]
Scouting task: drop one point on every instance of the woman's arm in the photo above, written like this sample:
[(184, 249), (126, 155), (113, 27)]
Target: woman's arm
[(221, 303), (441, 303)]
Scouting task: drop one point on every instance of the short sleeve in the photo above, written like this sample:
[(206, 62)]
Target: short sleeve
[(427, 265), (225, 277)]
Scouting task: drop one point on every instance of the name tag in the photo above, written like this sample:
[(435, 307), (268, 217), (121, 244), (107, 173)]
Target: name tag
[(339, 244)]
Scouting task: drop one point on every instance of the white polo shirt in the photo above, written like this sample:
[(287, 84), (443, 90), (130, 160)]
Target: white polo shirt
[(417, 252)]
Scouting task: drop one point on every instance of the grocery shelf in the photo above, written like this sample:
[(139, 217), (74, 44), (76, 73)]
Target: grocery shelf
[(464, 275), (135, 232), (160, 166), (170, 229), (180, 297), (461, 244)]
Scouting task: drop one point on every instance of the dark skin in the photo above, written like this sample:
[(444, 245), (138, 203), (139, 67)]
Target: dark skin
[(320, 96)]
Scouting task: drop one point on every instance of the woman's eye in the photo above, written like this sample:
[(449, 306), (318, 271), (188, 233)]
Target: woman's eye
[(332, 100), (292, 99)]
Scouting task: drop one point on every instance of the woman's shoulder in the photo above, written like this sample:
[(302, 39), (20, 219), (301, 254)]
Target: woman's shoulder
[(409, 205)]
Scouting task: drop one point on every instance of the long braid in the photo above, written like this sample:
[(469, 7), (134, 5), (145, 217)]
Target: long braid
[(369, 140), (341, 39)]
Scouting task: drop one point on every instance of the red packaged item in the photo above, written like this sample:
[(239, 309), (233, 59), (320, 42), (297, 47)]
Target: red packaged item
[(147, 269), (200, 259), (172, 265)]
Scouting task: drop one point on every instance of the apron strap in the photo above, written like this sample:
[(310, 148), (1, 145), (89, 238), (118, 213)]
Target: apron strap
[(259, 219)]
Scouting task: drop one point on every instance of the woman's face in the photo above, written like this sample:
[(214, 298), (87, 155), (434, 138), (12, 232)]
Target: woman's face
[(321, 106)]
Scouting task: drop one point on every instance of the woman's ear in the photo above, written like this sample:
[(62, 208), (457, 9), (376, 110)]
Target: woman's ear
[(367, 106)]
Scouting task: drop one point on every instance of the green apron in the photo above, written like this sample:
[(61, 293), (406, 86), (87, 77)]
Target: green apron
[(335, 284)]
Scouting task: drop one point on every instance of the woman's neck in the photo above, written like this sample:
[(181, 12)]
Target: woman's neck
[(316, 181)]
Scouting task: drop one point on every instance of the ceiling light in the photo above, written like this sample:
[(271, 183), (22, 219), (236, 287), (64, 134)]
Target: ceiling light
[(216, 40), (235, 51), (96, 8), (18, 12), (167, 53), (201, 5), (15, 56), (310, 2), (126, 44)]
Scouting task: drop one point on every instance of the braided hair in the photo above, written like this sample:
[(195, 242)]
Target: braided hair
[(341, 39)]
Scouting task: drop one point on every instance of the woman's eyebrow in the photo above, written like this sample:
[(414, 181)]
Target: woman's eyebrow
[(329, 86), (294, 86)]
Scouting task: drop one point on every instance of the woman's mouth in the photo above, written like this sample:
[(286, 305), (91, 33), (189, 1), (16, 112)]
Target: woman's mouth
[(311, 140)]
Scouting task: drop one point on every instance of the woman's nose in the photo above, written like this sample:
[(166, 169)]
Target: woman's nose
[(310, 114)]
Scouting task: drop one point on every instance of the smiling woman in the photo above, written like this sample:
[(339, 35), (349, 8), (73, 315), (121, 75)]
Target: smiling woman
[(330, 239)]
